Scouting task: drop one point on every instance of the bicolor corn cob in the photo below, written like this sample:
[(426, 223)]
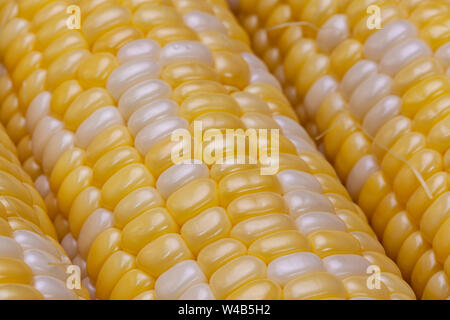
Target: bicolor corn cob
[(32, 263), (379, 102), (100, 105)]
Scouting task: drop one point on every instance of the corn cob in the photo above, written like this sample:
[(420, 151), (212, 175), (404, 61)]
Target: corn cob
[(136, 72), (378, 100), (32, 263)]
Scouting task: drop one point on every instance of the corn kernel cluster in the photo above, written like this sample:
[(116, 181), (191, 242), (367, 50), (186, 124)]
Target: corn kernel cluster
[(378, 100), (92, 110)]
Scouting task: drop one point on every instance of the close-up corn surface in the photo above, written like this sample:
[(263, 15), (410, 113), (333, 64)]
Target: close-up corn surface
[(377, 100), (32, 262), (92, 110)]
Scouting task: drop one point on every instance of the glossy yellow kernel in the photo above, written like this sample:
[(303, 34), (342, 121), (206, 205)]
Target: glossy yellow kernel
[(106, 243), (276, 101), (194, 87), (397, 231), (218, 120), (415, 71), (263, 289), (16, 127), (14, 271), (282, 13), (419, 201), (246, 182), (216, 254), (18, 48), (424, 92), (110, 138), (339, 130), (52, 29), (27, 65), (131, 284), (9, 107), (103, 19), (164, 34), (135, 203), (437, 288), (232, 69), (438, 137), (426, 11), (330, 184), (149, 16), (191, 199), (410, 251), (251, 229), (95, 70), (326, 242), (296, 57), (389, 133), (65, 67), (123, 182), (353, 222), (163, 253), (318, 12), (83, 205), (426, 162), (313, 68), (397, 285), (113, 269), (216, 41), (354, 148), (357, 286), (201, 103), (72, 185), (403, 148), (45, 223), (34, 84), (178, 72), (112, 161), (46, 12), (207, 227), (84, 105), (69, 160), (278, 244), (112, 40), (344, 56), (14, 291), (431, 114), (145, 228), (11, 186), (11, 30), (72, 40), (235, 273), (437, 31), (441, 245), (16, 207), (424, 269), (311, 286), (434, 216)]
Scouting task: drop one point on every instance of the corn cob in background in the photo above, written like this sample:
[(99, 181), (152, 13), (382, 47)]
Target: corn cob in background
[(32, 263), (100, 104), (379, 103)]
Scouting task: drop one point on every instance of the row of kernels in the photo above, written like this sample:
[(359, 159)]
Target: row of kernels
[(199, 217), (388, 108), (63, 140), (47, 152), (32, 263)]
